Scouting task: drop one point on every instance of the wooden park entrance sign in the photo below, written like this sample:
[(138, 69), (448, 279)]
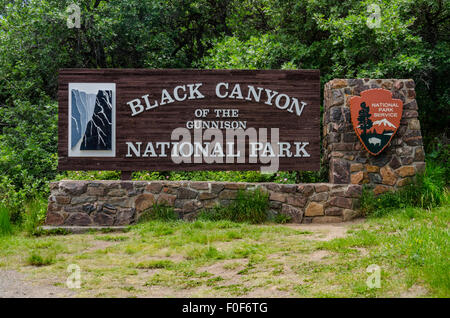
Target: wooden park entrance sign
[(132, 120), (139, 119)]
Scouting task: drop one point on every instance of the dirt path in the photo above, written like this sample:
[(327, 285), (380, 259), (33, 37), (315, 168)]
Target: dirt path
[(15, 285)]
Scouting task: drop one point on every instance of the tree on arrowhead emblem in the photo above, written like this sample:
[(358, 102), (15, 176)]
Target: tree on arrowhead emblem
[(364, 120)]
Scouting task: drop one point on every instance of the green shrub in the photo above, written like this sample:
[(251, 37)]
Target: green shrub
[(36, 259), (5, 222), (230, 176), (428, 191), (89, 175), (250, 206), (439, 151), (28, 143), (156, 264), (281, 218), (15, 198), (34, 215), (159, 212), (39, 231)]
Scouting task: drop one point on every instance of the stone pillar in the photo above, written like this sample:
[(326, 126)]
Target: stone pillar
[(348, 161)]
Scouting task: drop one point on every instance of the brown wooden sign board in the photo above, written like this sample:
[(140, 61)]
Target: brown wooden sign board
[(127, 119)]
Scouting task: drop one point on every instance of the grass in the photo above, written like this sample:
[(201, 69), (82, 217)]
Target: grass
[(159, 212), (35, 210), (412, 239), (35, 259), (250, 206), (428, 191), (5, 221), (155, 264), (224, 258)]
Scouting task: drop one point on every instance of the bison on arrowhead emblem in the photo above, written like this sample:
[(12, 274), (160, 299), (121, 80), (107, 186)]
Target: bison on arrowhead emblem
[(375, 117)]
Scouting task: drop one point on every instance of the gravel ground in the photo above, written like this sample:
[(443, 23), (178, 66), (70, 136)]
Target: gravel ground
[(15, 285)]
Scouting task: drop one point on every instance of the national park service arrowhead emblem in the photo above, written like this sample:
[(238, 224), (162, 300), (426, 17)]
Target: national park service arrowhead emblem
[(375, 117)]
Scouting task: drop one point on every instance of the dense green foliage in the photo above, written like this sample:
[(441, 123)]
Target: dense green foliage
[(415, 240), (5, 221), (428, 191), (159, 212), (250, 206), (411, 41)]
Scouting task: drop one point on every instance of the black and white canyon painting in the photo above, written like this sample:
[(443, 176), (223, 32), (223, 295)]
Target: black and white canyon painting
[(91, 120)]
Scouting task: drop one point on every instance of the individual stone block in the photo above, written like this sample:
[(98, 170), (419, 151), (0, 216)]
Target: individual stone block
[(125, 216), (357, 178), (414, 124), (199, 185), (185, 193), (339, 171), (235, 186), (333, 211), (168, 199), (73, 187), (319, 197), (275, 196), (398, 85), (95, 191), (288, 188), (117, 193), (216, 187), (83, 199), (154, 187), (382, 159), (341, 202), (388, 176), (295, 213), (206, 196), (412, 105), (356, 167), (338, 83), (419, 154), (406, 171), (354, 191), (314, 209), (306, 190), (379, 189), (407, 160), (103, 219), (107, 208), (88, 207), (375, 178), (54, 218), (296, 200), (395, 163), (349, 214), (78, 219), (321, 188), (144, 201), (275, 205), (62, 199), (337, 97), (327, 219)]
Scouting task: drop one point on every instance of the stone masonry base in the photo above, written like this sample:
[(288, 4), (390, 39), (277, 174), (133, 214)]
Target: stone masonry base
[(114, 203)]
